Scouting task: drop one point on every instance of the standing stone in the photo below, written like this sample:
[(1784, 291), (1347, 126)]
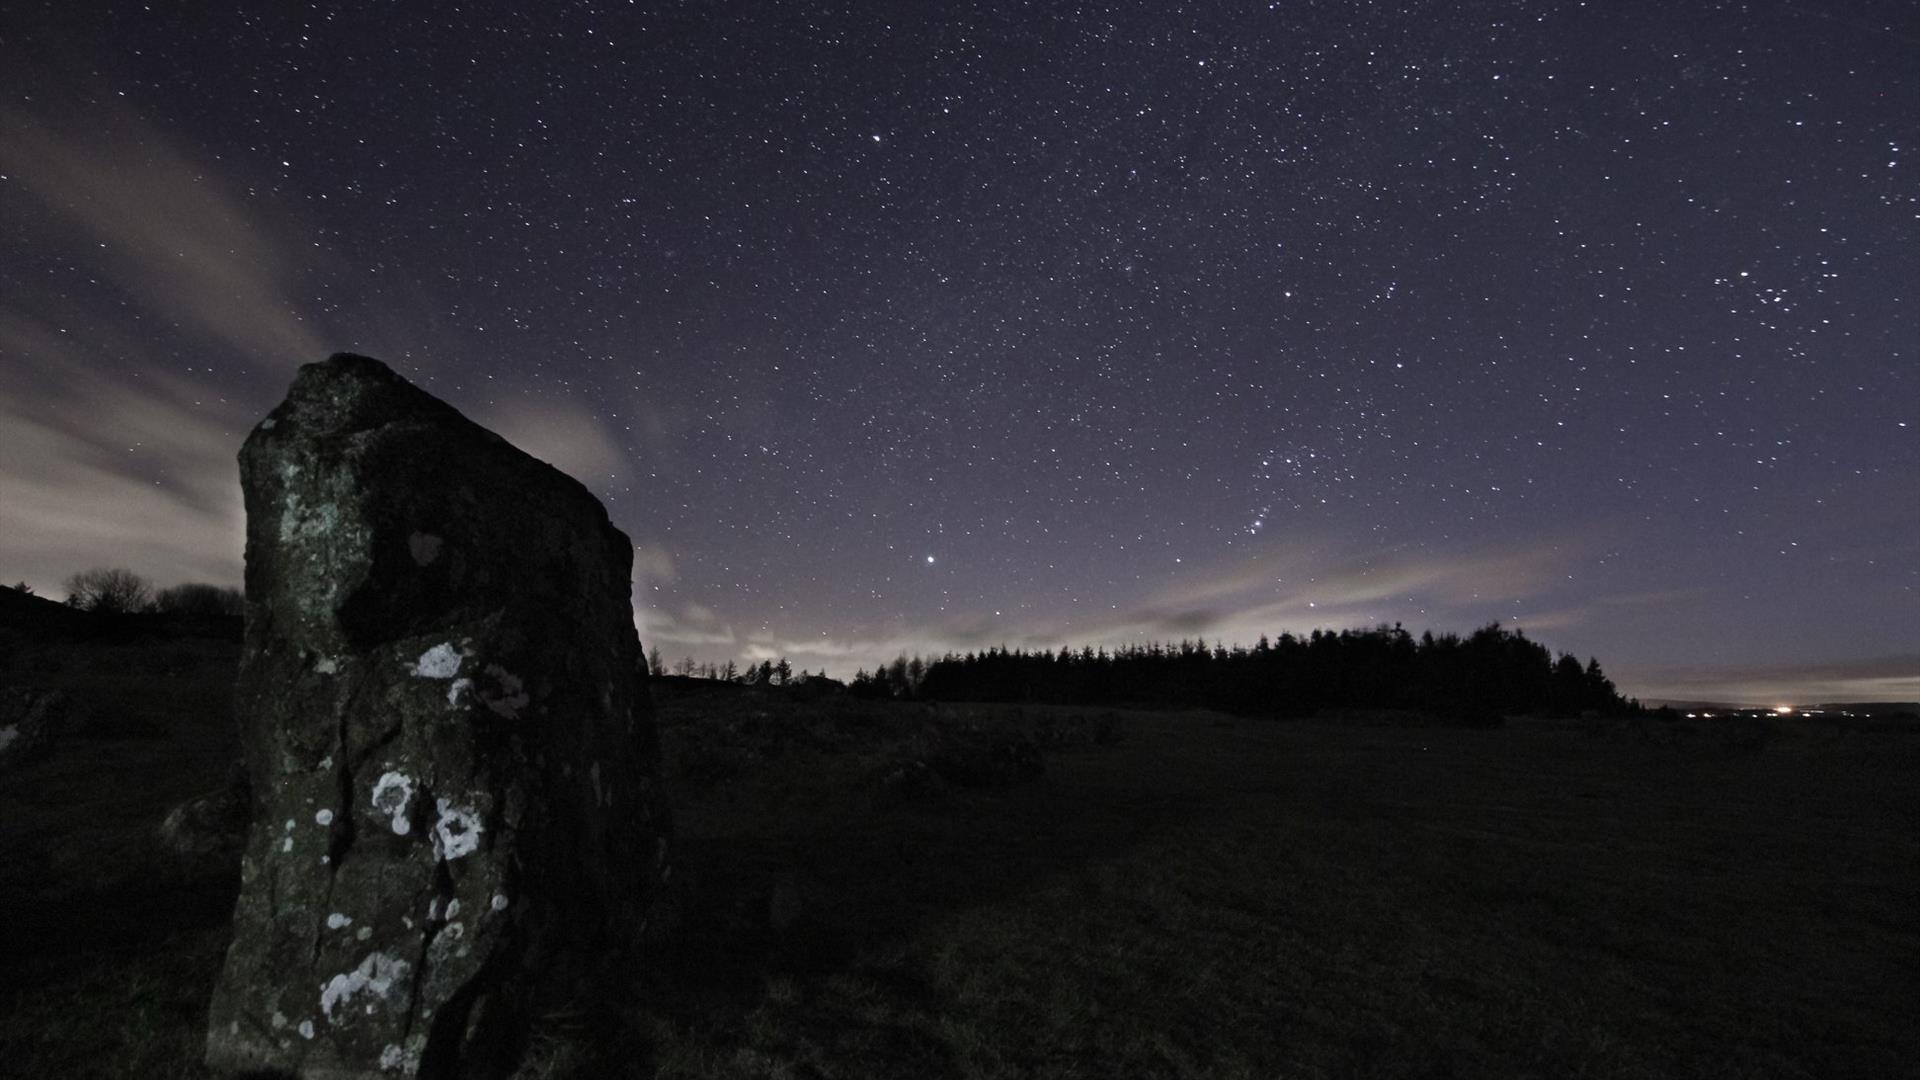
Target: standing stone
[(455, 813)]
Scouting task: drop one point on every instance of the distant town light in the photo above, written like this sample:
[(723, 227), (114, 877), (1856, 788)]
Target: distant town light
[(1783, 710)]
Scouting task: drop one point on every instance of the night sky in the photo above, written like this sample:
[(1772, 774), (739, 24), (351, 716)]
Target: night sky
[(913, 327)]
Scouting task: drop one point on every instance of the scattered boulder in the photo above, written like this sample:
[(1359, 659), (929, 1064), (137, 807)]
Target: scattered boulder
[(31, 721), (211, 827), (456, 817)]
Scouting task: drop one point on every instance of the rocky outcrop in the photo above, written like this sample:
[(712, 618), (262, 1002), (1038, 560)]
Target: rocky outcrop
[(31, 721), (453, 770)]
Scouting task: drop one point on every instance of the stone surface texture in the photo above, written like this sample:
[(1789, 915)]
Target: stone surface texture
[(454, 770)]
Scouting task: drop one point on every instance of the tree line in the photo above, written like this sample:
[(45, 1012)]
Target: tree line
[(1489, 672), (766, 673), (106, 590)]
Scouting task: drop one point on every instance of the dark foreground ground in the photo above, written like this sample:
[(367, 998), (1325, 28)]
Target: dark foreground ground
[(1205, 897)]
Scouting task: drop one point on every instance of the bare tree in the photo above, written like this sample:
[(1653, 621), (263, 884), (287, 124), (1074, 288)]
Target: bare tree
[(110, 591), (197, 599)]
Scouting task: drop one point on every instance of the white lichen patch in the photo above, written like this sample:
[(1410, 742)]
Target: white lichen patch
[(440, 662), (499, 902), (306, 1029), (404, 1059), (269, 424), (457, 691), (509, 697), (336, 920), (453, 909), (457, 832), (363, 933), (425, 547), (327, 665), (324, 817), (279, 1020), (448, 943), (379, 978), (286, 845), (393, 796), (7, 735)]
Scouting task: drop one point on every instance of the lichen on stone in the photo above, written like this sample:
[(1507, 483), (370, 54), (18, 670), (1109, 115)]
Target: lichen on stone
[(457, 831), (392, 796), (420, 591), (382, 979), (440, 662)]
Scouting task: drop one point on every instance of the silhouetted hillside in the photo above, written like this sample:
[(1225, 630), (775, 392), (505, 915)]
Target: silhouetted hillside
[(39, 617), (35, 620)]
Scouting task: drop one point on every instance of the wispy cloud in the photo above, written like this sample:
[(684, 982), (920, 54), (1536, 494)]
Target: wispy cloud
[(692, 627), (1286, 587), (1302, 584), (652, 563), (111, 453), (563, 434), (167, 230), (1891, 677), (99, 472)]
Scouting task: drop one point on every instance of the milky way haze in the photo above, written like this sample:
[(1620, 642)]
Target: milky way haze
[(893, 327)]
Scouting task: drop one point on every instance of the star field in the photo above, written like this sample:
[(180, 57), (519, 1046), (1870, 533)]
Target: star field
[(892, 327)]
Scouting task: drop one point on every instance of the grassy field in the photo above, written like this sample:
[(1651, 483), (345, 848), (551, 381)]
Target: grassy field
[(1206, 897)]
